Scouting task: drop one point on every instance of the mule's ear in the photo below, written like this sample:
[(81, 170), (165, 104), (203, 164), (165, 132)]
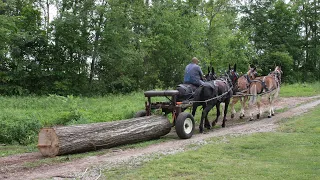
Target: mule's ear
[(235, 67), (208, 69), (229, 67), (280, 69), (212, 70)]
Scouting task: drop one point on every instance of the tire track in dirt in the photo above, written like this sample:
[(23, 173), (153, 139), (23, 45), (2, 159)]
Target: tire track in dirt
[(12, 166)]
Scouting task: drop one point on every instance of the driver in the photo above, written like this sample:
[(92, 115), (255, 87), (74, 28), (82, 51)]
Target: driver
[(193, 73)]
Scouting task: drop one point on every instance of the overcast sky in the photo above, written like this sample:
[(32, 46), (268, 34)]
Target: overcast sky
[(53, 9)]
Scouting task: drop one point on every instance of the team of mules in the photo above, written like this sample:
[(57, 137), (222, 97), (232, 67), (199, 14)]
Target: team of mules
[(217, 90)]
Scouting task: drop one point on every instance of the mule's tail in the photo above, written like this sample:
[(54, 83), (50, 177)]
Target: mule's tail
[(253, 94)]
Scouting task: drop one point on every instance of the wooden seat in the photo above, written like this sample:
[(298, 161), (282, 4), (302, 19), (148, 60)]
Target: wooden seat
[(161, 93)]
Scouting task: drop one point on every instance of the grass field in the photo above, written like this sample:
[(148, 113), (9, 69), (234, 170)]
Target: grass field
[(293, 152), (295, 90), (22, 117)]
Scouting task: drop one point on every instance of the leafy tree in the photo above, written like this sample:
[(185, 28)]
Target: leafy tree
[(274, 33)]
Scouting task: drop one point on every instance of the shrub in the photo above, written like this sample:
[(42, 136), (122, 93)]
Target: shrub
[(19, 130)]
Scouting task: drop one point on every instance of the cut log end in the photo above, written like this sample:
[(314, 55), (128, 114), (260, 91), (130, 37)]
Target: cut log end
[(48, 143)]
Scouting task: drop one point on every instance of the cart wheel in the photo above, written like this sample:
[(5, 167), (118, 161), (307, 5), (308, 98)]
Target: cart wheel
[(141, 113), (184, 125)]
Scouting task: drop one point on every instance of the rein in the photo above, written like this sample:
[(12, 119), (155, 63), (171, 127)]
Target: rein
[(239, 94), (206, 101)]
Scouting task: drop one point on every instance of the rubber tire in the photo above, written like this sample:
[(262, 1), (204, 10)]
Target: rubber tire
[(180, 125), (141, 113)]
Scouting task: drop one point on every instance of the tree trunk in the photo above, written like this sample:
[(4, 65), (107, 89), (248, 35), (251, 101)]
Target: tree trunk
[(88, 137)]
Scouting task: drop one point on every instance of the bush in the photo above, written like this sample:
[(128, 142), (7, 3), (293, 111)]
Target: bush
[(19, 130)]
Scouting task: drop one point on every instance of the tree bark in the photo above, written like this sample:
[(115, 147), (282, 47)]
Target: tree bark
[(88, 137)]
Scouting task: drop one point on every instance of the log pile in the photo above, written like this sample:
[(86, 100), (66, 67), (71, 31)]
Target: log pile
[(88, 137)]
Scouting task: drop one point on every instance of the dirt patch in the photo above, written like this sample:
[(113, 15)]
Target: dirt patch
[(12, 167)]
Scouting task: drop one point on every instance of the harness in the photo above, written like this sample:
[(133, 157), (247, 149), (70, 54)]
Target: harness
[(247, 78), (276, 77), (189, 89), (263, 83), (214, 85)]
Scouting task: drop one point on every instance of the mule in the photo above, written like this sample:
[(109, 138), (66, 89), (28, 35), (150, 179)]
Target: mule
[(210, 76), (213, 93), (242, 86), (269, 85)]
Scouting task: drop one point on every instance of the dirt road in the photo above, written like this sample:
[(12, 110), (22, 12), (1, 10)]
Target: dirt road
[(13, 167)]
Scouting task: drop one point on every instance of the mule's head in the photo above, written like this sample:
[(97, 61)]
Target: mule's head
[(232, 74), (211, 75), (252, 72), (277, 72)]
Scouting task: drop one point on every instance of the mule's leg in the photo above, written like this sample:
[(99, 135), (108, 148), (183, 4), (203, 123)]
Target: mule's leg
[(233, 102), (201, 126), (194, 109), (274, 98), (206, 123), (251, 104), (243, 101), (225, 112), (270, 104), (218, 114), (259, 107), (204, 116)]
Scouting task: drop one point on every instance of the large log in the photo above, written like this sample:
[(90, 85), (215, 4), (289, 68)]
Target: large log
[(88, 137)]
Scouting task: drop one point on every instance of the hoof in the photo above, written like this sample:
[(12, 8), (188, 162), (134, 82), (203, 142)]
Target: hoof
[(241, 116), (223, 126), (269, 116), (200, 129), (232, 115), (272, 114), (250, 119), (208, 126)]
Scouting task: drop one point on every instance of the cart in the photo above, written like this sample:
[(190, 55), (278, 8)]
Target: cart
[(182, 121)]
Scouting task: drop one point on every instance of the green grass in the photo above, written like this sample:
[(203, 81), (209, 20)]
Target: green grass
[(299, 90), (51, 109), (293, 152), (7, 150), (22, 117)]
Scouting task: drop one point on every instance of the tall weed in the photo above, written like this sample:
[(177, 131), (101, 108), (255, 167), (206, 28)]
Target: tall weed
[(19, 130)]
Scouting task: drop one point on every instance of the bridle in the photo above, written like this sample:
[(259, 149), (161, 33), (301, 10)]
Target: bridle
[(211, 76)]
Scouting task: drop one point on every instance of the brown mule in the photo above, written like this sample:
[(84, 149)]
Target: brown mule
[(269, 85), (243, 88)]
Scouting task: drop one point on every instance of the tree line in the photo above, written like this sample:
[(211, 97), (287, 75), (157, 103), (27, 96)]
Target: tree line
[(109, 46)]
